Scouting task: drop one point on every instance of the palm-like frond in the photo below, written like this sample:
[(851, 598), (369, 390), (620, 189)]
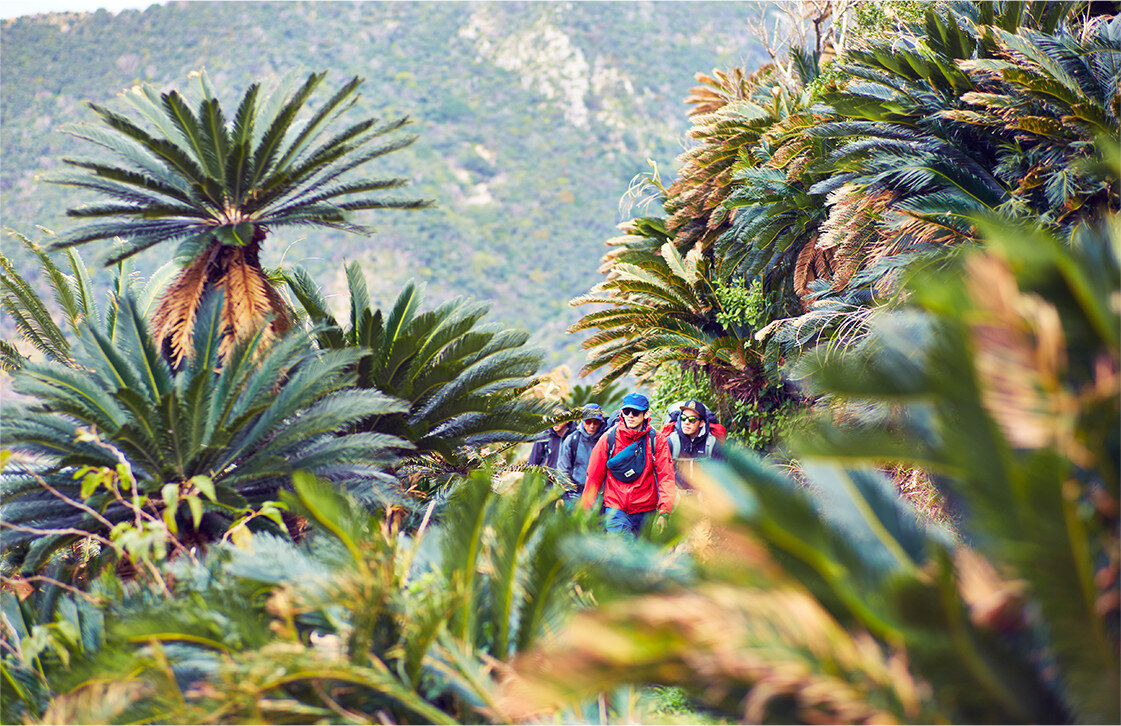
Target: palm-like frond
[(462, 379), (996, 369), (73, 296), (660, 306), (505, 605), (185, 173), (961, 115), (204, 175), (74, 301), (608, 396), (262, 416), (831, 591), (357, 607), (727, 120)]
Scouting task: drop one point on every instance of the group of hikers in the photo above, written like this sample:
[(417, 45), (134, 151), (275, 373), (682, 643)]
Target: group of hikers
[(640, 470)]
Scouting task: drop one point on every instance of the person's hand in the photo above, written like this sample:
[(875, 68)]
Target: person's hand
[(660, 522)]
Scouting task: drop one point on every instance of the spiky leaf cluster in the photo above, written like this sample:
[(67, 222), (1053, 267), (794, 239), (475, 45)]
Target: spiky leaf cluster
[(358, 618), (829, 598), (245, 420), (460, 377), (194, 174), (659, 305)]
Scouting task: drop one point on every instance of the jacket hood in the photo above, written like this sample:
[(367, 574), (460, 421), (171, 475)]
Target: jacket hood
[(591, 437), (622, 433)]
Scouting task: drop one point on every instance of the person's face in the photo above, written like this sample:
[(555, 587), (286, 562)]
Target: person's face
[(633, 418), (592, 425), (559, 428), (690, 422)]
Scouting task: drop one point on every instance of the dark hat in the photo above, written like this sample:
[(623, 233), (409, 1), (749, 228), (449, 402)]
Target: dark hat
[(592, 412), (636, 400), (697, 406)]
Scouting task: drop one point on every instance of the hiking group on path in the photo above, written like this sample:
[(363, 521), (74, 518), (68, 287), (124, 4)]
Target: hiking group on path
[(641, 471)]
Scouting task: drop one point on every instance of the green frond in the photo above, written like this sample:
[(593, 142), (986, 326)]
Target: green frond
[(184, 173), (314, 125), (191, 131), (33, 321), (10, 358)]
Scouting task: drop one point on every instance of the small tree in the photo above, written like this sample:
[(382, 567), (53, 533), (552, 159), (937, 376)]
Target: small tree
[(218, 187)]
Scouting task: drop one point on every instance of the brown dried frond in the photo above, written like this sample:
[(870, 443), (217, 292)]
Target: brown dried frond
[(282, 320), (792, 150), (853, 213), (733, 643), (925, 231), (994, 603), (717, 91), (174, 320), (842, 205), (812, 264), (1021, 361), (852, 229), (247, 300)]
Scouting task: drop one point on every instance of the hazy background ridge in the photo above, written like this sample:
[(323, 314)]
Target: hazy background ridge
[(533, 120)]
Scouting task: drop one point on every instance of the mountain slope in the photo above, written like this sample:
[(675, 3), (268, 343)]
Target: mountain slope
[(533, 119)]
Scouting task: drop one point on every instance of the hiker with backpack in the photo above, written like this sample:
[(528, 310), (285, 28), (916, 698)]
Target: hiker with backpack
[(694, 436), (576, 448), (546, 449), (632, 464)]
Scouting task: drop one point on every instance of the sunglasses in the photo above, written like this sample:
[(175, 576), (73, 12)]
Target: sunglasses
[(633, 412), (690, 419)]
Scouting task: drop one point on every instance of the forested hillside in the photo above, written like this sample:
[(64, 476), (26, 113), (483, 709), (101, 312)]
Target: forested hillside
[(533, 118)]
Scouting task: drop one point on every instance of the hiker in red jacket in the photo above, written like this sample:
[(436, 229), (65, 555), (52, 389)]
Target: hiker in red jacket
[(633, 463)]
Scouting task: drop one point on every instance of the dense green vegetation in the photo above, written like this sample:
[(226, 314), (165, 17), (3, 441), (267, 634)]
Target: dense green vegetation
[(532, 121), (812, 185), (896, 249)]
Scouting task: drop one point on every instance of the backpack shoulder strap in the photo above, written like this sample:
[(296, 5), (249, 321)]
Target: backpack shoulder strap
[(651, 446), (574, 440), (674, 444), (710, 445), (610, 442)]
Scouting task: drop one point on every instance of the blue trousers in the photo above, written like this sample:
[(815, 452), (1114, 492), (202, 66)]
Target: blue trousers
[(616, 520)]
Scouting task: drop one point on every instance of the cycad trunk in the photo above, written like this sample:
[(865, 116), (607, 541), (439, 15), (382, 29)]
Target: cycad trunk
[(249, 300)]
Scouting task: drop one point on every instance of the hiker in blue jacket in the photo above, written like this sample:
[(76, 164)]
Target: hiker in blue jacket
[(546, 448), (690, 440), (577, 447)]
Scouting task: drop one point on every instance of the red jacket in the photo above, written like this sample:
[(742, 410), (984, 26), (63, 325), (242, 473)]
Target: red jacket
[(655, 489)]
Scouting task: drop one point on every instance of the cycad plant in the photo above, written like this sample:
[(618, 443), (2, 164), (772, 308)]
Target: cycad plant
[(981, 106), (978, 107), (460, 377), (609, 396), (661, 306), (1055, 94), (832, 600), (357, 622), (728, 120), (75, 302), (661, 309), (120, 433), (217, 184)]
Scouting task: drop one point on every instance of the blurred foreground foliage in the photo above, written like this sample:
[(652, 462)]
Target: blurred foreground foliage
[(824, 597)]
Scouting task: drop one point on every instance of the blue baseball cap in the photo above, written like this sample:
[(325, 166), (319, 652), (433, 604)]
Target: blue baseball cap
[(636, 400)]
